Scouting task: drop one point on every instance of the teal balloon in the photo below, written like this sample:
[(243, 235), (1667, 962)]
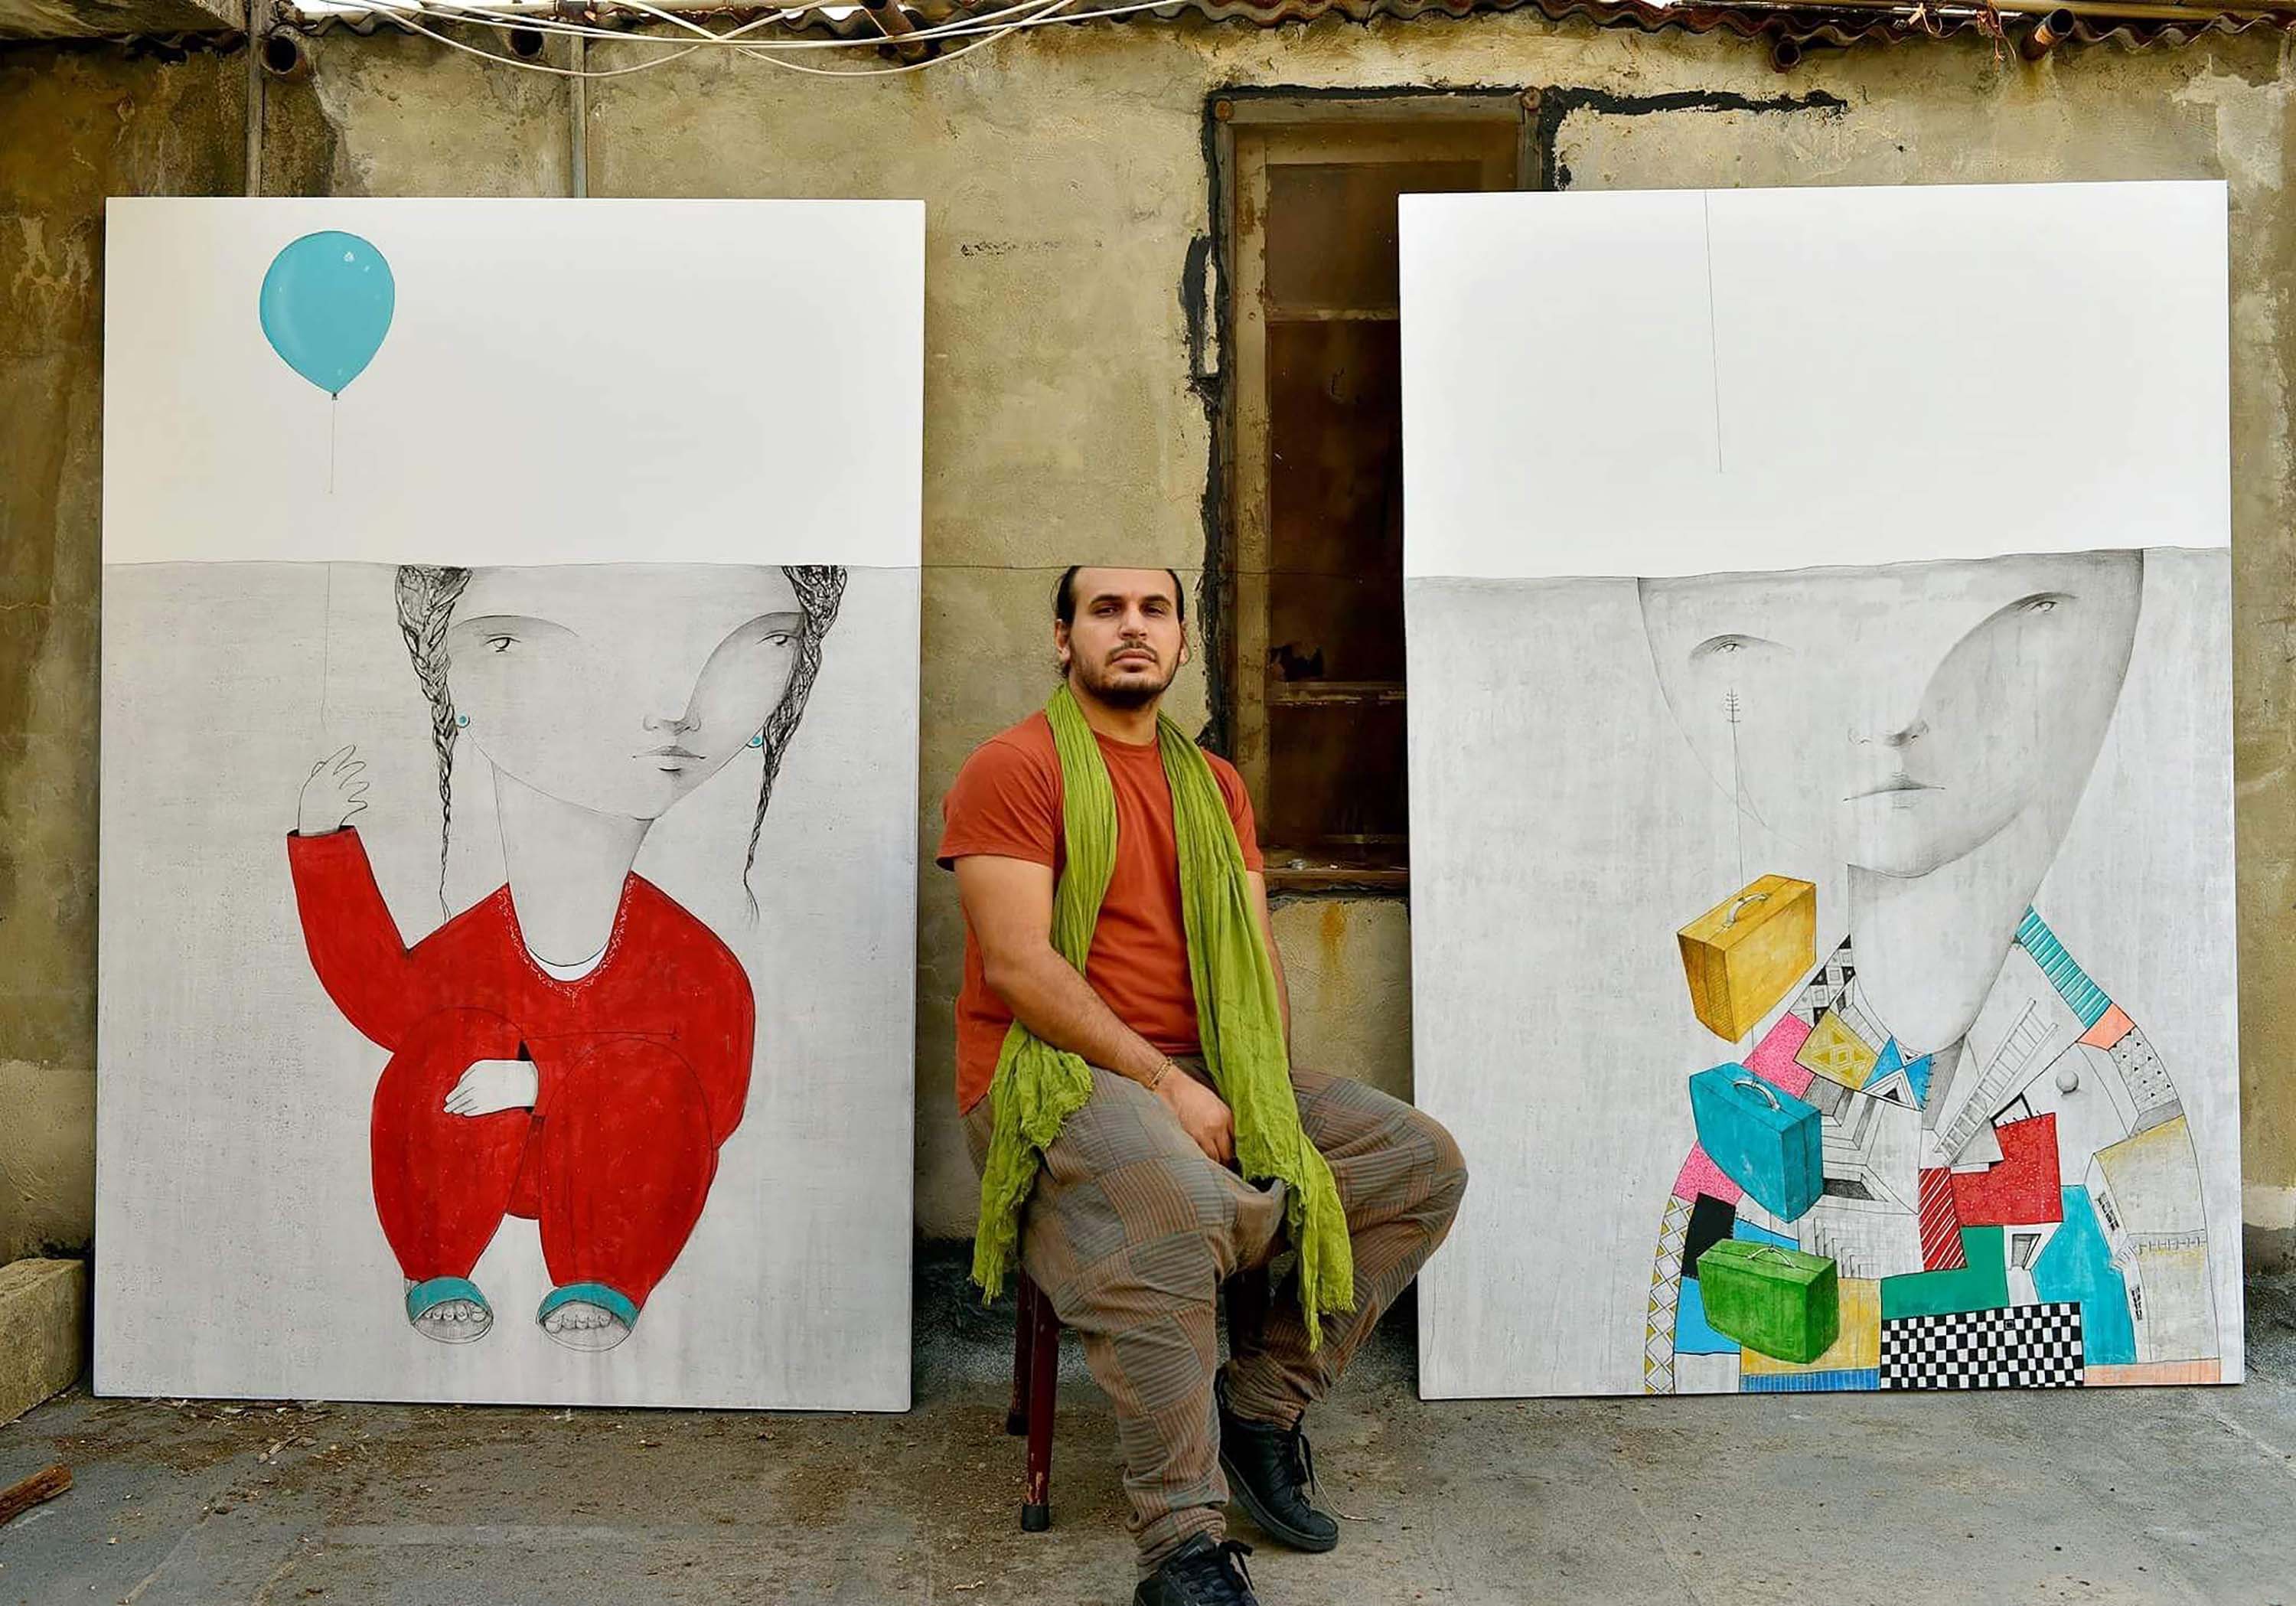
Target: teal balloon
[(325, 307)]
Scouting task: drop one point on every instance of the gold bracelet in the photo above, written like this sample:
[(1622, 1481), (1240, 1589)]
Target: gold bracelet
[(1163, 1071)]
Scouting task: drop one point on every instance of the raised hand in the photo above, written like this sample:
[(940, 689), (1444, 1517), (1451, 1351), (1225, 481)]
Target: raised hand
[(334, 791)]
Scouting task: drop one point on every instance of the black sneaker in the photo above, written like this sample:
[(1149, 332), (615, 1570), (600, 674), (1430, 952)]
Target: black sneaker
[(1272, 1471), (1202, 1572)]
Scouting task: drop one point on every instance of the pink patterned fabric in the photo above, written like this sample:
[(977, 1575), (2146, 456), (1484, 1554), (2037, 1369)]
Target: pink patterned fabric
[(1774, 1060), (1702, 1175)]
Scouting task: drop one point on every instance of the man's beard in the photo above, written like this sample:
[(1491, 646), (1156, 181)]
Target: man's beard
[(1126, 695)]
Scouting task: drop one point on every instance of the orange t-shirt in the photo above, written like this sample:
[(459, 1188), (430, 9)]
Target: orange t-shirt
[(1006, 803)]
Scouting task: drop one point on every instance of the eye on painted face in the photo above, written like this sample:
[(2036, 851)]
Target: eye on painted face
[(1897, 718), (621, 688)]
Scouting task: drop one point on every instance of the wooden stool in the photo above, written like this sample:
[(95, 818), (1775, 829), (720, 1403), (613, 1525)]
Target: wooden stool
[(1037, 1375)]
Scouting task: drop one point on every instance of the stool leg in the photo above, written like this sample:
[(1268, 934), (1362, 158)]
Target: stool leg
[(1044, 1384), (1247, 1295), (1024, 1335)]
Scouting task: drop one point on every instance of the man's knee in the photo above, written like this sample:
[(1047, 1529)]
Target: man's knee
[(1173, 1278), (1440, 1160), (1100, 1209)]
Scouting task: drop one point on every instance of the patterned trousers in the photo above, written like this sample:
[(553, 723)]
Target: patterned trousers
[(1131, 1230)]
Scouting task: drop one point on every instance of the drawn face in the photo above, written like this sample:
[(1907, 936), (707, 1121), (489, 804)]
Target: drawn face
[(1897, 718), (621, 688)]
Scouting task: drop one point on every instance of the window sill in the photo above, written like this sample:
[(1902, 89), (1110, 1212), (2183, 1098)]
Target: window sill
[(1284, 876)]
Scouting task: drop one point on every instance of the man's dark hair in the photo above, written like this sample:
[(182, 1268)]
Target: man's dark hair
[(1064, 594)]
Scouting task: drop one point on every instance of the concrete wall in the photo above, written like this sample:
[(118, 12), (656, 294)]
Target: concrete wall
[(116, 19), (74, 127), (1066, 175)]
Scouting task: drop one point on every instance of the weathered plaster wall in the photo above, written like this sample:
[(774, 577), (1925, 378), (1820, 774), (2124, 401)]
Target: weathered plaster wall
[(116, 19), (74, 127), (1066, 175), (1348, 964)]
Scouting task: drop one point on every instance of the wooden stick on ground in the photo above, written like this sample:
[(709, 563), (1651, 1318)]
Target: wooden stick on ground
[(18, 1498)]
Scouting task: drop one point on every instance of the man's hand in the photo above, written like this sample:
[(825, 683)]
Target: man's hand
[(1201, 1114), (491, 1086), (1008, 902), (334, 791)]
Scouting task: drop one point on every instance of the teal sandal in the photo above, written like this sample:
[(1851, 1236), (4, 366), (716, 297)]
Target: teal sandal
[(599, 1296), (423, 1298)]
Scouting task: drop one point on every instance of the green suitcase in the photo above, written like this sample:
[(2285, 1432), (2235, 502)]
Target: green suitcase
[(1780, 1303)]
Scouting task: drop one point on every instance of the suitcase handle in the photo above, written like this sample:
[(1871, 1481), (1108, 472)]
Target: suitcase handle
[(1739, 902), (1759, 1087)]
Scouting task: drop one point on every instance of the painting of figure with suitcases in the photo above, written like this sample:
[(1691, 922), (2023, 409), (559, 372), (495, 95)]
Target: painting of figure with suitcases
[(1939, 1155), (1822, 852)]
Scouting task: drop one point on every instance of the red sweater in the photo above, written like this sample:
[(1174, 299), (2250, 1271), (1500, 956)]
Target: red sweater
[(665, 977)]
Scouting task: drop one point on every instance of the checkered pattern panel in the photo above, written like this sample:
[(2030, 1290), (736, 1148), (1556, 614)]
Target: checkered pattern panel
[(2023, 1346)]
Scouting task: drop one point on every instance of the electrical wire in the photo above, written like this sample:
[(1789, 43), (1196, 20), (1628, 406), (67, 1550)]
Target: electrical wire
[(564, 72), (456, 11), (983, 29), (451, 11), (758, 54), (753, 51)]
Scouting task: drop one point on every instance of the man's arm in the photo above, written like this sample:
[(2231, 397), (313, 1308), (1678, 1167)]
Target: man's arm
[(1009, 905), (1275, 954)]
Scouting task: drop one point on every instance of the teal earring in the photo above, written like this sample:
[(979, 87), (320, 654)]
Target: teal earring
[(758, 740), (461, 721)]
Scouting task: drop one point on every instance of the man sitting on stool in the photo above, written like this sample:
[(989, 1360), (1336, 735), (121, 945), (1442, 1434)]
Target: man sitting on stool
[(1139, 1141)]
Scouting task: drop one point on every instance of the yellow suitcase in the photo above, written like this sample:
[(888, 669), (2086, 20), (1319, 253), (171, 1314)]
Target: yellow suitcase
[(1745, 953)]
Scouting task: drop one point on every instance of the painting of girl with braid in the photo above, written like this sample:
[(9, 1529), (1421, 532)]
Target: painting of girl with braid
[(574, 1048)]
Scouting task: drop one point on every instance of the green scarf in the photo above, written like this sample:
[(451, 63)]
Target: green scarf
[(1037, 1086)]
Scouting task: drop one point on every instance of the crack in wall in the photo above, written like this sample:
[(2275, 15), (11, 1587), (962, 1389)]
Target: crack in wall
[(1556, 104)]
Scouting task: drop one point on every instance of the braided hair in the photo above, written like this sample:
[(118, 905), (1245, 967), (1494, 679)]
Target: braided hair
[(427, 596), (820, 590)]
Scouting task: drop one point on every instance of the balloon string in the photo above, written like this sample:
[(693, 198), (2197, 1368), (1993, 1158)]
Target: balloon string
[(332, 403)]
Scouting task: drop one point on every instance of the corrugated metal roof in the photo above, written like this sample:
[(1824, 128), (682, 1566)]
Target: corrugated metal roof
[(1830, 25), (1769, 24)]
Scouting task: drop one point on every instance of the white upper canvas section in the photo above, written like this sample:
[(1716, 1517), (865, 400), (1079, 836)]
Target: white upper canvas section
[(1665, 383), (506, 419)]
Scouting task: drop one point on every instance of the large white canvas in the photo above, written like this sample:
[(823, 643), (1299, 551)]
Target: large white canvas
[(659, 416), (1573, 801)]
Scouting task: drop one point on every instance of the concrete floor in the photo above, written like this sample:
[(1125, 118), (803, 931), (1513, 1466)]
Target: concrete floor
[(2133, 1495)]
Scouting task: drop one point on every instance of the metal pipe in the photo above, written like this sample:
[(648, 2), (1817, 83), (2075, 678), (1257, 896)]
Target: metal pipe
[(1785, 54), (253, 161), (894, 23), (285, 56), (579, 87), (2046, 35)]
